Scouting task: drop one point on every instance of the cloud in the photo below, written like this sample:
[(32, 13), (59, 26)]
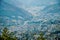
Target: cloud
[(34, 10), (14, 20), (20, 17), (52, 3), (13, 16)]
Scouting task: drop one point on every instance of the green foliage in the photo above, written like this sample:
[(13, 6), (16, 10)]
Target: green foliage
[(6, 35), (41, 37)]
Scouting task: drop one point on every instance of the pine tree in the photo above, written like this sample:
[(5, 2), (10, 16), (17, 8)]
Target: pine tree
[(41, 37), (6, 35)]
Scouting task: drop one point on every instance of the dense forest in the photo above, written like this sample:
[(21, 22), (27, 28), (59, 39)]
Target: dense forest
[(7, 35)]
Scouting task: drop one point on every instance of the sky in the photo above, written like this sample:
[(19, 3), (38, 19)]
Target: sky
[(33, 7), (30, 3)]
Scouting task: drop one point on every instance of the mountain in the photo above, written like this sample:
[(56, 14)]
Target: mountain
[(50, 12), (48, 18), (52, 8)]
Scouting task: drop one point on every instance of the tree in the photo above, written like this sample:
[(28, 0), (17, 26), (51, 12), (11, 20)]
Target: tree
[(41, 37), (6, 35)]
